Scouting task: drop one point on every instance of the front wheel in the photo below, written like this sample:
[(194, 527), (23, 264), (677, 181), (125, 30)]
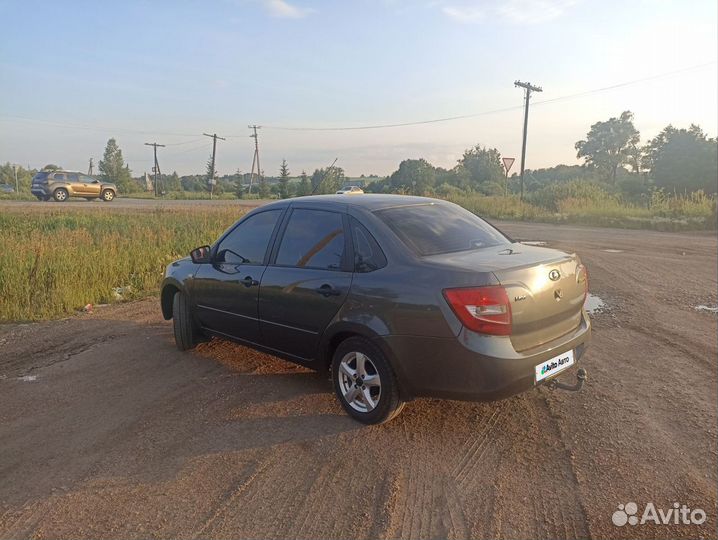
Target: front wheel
[(107, 195), (187, 335), (364, 382)]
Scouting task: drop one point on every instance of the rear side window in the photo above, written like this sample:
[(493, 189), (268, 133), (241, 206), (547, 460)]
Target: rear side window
[(432, 229), (248, 242), (58, 176), (313, 239), (368, 256)]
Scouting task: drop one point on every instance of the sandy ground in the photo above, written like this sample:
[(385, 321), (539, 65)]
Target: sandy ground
[(107, 431)]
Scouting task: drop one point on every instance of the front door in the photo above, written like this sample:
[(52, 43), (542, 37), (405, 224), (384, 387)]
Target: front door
[(90, 186), (225, 291), (307, 283)]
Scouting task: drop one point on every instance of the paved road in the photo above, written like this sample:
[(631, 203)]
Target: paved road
[(123, 203), (106, 431)]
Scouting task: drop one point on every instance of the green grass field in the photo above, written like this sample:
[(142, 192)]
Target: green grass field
[(53, 262)]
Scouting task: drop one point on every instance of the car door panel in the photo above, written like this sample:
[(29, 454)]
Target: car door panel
[(306, 282), (226, 299), (297, 304), (225, 291)]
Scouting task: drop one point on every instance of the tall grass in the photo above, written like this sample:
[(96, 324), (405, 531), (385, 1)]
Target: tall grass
[(694, 211), (53, 262)]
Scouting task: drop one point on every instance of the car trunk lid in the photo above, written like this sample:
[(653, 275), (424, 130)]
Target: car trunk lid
[(545, 288)]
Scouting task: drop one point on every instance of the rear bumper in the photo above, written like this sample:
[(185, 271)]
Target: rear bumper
[(39, 191), (474, 367)]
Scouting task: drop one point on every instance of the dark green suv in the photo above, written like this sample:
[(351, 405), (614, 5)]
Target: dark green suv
[(61, 185)]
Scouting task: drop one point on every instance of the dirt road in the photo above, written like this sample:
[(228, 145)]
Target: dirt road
[(107, 431)]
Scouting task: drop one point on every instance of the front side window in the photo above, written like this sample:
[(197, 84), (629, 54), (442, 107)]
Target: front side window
[(432, 229), (87, 179), (72, 177), (313, 239), (248, 242)]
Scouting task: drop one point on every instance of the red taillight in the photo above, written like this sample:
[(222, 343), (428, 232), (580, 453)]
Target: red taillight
[(482, 309)]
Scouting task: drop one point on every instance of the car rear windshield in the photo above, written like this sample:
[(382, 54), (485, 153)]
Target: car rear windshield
[(432, 229)]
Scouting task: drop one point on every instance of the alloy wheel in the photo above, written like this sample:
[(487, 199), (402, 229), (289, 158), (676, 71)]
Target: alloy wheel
[(359, 382)]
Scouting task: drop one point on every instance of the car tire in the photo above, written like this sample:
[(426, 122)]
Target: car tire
[(356, 361), (60, 195), (187, 335), (107, 195)]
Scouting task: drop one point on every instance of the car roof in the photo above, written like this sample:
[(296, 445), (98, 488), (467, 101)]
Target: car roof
[(370, 201)]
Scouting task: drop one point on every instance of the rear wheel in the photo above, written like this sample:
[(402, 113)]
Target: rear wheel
[(187, 335), (107, 195), (60, 194), (364, 382)]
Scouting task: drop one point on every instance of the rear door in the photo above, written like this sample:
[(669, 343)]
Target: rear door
[(225, 291), (307, 282), (75, 187)]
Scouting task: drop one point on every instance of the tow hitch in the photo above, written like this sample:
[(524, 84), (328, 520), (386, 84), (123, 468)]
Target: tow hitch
[(581, 377)]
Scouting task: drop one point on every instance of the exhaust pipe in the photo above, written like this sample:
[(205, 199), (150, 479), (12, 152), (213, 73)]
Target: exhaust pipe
[(581, 377)]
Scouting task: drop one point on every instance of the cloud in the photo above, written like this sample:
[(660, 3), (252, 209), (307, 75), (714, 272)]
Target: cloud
[(463, 14), (533, 11), (521, 12), (284, 10)]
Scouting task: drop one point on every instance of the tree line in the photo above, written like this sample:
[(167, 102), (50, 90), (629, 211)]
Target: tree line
[(681, 160)]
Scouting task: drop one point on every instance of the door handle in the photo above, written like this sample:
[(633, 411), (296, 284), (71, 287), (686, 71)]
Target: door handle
[(327, 290), (249, 282)]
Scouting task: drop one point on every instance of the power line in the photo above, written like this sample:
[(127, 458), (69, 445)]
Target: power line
[(494, 111)]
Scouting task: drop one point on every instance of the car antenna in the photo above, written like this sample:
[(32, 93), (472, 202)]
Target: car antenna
[(329, 170)]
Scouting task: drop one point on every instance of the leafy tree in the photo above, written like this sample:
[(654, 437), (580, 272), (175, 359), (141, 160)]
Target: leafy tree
[(284, 180), (484, 168), (327, 180), (113, 169), (172, 182), (264, 190), (24, 176), (413, 176), (51, 167), (304, 187), (684, 159), (609, 144)]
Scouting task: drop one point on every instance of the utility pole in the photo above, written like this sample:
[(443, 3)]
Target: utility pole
[(211, 180), (255, 159), (17, 186), (89, 168), (156, 168), (528, 88)]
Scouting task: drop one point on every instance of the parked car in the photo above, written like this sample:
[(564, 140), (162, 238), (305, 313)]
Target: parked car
[(350, 190), (61, 185), (6, 188), (399, 297)]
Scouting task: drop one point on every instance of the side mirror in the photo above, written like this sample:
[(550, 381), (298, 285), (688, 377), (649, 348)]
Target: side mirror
[(200, 255)]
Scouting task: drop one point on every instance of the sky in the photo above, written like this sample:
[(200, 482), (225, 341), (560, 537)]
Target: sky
[(75, 73)]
